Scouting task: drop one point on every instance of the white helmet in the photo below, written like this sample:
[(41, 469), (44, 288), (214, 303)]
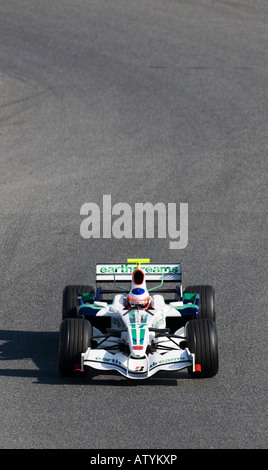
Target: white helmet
[(138, 296)]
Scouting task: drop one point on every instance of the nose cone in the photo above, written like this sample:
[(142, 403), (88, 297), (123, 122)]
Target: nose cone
[(138, 332)]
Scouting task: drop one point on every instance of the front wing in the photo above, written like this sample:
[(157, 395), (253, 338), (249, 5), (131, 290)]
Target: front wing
[(137, 368)]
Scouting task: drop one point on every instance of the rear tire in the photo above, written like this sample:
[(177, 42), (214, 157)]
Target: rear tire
[(207, 300), (69, 299), (201, 336), (75, 338)]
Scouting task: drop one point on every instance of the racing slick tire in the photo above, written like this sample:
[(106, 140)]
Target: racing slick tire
[(201, 337), (207, 300), (75, 338), (69, 299)]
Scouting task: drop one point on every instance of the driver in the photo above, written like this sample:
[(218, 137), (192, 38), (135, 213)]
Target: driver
[(138, 296)]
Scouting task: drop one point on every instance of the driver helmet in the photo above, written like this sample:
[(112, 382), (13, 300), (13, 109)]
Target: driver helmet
[(138, 296)]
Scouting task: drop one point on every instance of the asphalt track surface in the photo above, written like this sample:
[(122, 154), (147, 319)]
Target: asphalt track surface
[(146, 101)]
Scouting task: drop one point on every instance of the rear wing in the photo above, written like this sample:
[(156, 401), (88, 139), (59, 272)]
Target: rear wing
[(122, 272)]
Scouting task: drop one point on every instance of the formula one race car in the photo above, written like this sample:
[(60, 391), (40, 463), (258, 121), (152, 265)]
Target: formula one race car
[(138, 332)]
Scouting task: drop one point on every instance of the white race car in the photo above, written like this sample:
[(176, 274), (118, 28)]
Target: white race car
[(138, 332)]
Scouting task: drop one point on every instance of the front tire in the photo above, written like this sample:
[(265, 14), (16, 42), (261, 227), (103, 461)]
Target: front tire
[(201, 336), (75, 338)]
